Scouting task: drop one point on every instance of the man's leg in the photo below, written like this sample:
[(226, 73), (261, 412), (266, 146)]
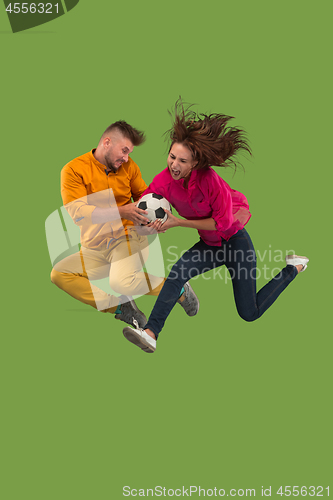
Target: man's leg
[(74, 274), (127, 257)]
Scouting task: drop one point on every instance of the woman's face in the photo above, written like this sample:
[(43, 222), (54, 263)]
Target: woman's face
[(180, 161)]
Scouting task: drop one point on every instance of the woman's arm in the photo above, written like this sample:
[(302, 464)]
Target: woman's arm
[(204, 224), (172, 221)]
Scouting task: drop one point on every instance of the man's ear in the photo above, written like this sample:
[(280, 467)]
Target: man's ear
[(107, 142)]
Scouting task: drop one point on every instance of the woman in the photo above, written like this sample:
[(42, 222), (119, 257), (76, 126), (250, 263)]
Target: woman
[(218, 212)]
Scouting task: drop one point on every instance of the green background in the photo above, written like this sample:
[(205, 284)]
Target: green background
[(222, 403)]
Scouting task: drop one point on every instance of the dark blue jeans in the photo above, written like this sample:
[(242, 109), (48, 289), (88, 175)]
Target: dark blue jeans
[(239, 256)]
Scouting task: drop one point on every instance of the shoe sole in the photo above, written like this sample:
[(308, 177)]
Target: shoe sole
[(137, 340)]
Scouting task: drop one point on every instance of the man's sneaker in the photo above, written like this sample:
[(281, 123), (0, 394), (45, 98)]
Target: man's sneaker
[(140, 338), (130, 311), (295, 260), (189, 301)]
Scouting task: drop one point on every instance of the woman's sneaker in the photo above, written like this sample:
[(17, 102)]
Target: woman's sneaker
[(140, 338), (296, 260), (189, 301)]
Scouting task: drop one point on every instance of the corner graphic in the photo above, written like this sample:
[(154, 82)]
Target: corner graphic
[(26, 15)]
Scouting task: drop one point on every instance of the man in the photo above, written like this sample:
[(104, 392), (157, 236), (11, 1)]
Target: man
[(97, 190)]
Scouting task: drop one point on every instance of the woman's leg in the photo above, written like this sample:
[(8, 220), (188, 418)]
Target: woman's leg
[(197, 260), (240, 259)]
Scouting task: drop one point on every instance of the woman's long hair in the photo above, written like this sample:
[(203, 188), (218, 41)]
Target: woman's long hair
[(209, 138)]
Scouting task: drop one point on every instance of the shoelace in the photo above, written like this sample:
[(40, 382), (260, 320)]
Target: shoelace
[(136, 324)]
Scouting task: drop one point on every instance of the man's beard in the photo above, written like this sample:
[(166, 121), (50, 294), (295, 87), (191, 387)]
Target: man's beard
[(110, 165)]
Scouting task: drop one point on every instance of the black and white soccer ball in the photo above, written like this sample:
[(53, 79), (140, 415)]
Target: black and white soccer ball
[(154, 204)]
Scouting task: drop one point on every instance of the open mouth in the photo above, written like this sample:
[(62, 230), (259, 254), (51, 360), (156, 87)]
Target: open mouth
[(174, 172)]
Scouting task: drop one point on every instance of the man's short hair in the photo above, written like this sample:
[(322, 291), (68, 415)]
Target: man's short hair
[(134, 135)]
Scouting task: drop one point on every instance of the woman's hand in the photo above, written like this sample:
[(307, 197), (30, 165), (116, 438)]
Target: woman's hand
[(171, 221), (151, 228), (203, 224), (158, 226)]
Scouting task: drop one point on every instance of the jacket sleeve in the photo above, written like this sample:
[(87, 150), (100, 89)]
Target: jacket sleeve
[(221, 203), (138, 185), (230, 209), (74, 196)]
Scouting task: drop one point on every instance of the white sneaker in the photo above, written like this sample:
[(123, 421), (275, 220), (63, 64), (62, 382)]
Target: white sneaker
[(295, 260), (139, 337)]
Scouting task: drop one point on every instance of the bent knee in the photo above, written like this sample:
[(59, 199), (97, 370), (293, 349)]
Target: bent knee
[(54, 276), (248, 316), (58, 278), (122, 286)]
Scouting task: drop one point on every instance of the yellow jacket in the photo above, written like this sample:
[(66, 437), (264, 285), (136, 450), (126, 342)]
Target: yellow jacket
[(85, 186)]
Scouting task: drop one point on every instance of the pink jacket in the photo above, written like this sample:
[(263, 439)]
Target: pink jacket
[(207, 195)]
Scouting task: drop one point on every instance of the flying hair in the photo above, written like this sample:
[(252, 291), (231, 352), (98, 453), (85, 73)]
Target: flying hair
[(210, 139)]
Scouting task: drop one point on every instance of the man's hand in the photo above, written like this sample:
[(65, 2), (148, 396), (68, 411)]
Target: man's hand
[(151, 228), (133, 213)]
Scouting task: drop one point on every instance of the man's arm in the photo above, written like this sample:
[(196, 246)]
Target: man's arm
[(138, 185), (74, 196), (75, 199), (129, 212)]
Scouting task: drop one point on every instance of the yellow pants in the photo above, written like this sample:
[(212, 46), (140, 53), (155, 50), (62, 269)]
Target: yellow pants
[(122, 262)]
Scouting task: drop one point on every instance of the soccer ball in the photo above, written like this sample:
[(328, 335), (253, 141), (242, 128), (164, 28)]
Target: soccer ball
[(154, 204)]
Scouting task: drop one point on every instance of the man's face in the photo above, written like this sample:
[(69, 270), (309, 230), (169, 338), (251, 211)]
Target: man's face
[(117, 150)]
